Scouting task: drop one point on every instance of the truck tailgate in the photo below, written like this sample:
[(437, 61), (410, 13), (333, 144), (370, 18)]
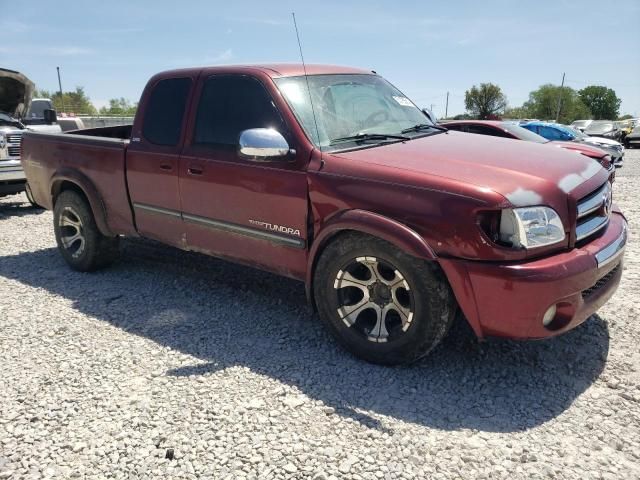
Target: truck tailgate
[(95, 164)]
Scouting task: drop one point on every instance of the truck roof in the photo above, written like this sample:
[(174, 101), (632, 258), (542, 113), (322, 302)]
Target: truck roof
[(273, 69)]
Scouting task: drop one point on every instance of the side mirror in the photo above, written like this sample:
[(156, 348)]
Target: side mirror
[(429, 114), (263, 144), (50, 116)]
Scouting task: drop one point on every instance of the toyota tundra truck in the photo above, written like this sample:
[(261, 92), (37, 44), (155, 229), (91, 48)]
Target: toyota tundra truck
[(333, 177)]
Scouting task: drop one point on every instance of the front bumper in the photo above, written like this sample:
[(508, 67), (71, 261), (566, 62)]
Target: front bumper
[(511, 300), (618, 161), (12, 179)]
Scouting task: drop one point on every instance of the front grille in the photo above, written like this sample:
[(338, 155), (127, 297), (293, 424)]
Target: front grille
[(602, 281), (14, 146), (593, 212)]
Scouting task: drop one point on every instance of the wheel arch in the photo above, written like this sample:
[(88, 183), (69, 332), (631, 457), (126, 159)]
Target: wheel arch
[(367, 223), (68, 179)]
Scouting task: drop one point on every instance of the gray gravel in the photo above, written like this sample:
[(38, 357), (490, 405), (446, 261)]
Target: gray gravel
[(174, 365)]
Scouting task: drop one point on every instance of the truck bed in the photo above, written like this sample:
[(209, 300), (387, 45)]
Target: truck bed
[(122, 132), (92, 158)]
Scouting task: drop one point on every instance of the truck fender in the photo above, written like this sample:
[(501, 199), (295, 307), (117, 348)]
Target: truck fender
[(84, 184), (369, 223)]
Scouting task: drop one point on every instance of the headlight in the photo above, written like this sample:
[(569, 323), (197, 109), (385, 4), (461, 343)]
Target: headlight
[(3, 141), (530, 227)]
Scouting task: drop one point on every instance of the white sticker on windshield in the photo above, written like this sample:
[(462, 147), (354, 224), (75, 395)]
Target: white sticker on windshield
[(404, 101)]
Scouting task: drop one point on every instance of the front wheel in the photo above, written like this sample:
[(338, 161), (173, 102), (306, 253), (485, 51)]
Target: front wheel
[(381, 304), (79, 240)]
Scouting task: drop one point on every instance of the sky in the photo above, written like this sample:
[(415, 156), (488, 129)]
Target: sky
[(425, 48)]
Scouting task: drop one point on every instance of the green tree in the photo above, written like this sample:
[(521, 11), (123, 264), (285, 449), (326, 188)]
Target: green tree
[(543, 104), (119, 106), (485, 101), (602, 101), (516, 112), (626, 117), (69, 102), (462, 116)]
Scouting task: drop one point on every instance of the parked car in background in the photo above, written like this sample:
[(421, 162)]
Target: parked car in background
[(558, 132), (392, 222), (604, 128), (12, 178), (613, 147), (581, 124), (16, 92), (633, 139), (512, 130), (625, 127)]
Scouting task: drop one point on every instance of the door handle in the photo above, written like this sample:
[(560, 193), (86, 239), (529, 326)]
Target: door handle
[(166, 166), (195, 170)]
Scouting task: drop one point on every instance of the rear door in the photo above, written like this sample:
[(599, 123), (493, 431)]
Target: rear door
[(153, 159), (253, 212)]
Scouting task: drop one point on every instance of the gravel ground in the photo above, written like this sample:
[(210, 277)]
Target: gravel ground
[(174, 365)]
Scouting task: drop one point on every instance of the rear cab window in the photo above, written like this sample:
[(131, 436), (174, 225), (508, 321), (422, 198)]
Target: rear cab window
[(486, 130), (164, 111)]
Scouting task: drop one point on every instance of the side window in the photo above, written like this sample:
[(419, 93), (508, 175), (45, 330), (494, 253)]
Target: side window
[(550, 133), (565, 136), (230, 104), (458, 128), (483, 130), (164, 111)]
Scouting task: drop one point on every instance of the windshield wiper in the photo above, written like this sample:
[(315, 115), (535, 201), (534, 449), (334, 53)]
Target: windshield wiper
[(423, 126), (364, 137)]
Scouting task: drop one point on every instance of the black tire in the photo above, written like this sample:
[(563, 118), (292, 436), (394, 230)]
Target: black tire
[(91, 250), (29, 194), (406, 338)]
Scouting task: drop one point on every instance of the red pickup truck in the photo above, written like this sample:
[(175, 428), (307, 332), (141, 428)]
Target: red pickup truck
[(337, 179)]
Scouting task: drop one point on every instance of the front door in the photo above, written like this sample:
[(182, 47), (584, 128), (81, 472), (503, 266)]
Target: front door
[(153, 160), (253, 212)]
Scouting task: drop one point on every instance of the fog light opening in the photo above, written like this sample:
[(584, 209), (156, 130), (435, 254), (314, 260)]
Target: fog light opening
[(549, 315)]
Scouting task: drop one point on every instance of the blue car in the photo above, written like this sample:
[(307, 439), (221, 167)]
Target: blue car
[(562, 133), (551, 131)]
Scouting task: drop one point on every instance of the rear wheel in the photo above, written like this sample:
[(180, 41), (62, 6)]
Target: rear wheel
[(80, 242), (381, 304)]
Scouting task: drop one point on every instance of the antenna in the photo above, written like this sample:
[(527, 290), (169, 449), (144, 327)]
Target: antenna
[(306, 77)]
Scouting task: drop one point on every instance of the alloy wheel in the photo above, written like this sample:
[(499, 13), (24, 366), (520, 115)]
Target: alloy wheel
[(374, 298), (72, 232)]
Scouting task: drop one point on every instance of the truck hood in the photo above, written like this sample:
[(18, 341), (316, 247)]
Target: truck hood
[(16, 92), (525, 173)]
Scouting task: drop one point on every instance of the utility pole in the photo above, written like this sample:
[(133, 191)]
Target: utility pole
[(560, 99), (446, 108), (60, 86)]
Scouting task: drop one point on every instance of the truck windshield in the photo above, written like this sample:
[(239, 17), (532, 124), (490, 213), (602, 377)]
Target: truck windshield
[(38, 107), (351, 105), (600, 127)]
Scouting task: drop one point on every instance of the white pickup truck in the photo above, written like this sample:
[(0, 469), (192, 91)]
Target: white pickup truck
[(16, 110)]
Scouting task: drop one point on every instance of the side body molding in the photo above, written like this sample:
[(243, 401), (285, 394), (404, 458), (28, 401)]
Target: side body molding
[(83, 182), (370, 223)]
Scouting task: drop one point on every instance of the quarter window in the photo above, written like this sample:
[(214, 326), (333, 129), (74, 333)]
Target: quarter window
[(164, 112), (230, 104)]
